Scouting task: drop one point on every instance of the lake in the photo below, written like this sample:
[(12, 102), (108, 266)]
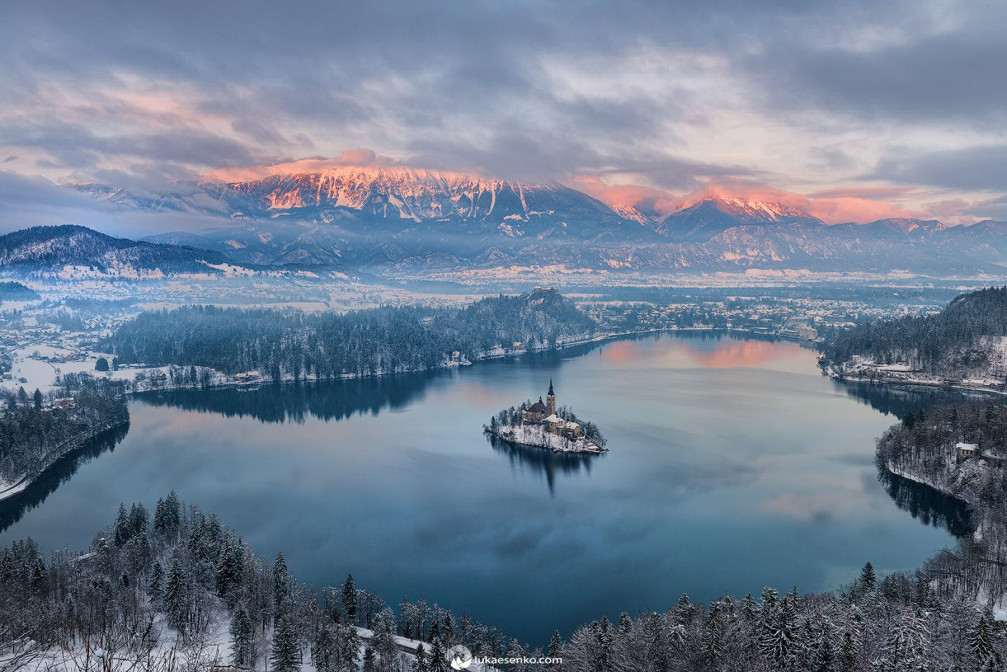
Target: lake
[(733, 465)]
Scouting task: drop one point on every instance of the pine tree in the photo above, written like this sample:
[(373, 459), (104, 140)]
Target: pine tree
[(155, 581), (779, 643), (438, 657), (285, 646), (604, 661), (37, 398), (348, 648), (176, 597), (711, 644), (281, 584), (555, 649), (323, 648), (121, 531), (907, 643), (384, 639), (242, 638), (350, 599), (625, 623), (749, 612), (868, 579), (420, 664), (980, 642)]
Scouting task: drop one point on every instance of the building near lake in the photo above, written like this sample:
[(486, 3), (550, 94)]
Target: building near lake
[(544, 414)]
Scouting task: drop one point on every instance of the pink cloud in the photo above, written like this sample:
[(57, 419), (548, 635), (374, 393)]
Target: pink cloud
[(625, 197), (351, 157), (833, 206)]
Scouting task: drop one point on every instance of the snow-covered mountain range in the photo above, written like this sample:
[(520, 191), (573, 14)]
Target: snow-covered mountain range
[(391, 216)]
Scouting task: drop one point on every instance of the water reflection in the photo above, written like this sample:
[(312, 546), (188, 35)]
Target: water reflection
[(927, 505), (541, 461), (295, 402), (899, 400), (15, 507)]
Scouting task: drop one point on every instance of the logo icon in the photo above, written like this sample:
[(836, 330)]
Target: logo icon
[(460, 657)]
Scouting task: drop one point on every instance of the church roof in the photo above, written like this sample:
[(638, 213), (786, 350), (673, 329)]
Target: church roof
[(537, 407)]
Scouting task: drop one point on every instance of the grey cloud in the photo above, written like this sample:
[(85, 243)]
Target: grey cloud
[(464, 84), (973, 168)]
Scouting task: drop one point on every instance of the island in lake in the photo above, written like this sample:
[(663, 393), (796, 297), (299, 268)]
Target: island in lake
[(542, 425)]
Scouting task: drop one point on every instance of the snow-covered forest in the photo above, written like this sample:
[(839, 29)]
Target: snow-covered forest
[(965, 340), (179, 591), (36, 429), (283, 344)]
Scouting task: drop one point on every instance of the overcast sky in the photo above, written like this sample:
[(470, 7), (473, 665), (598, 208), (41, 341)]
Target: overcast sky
[(863, 109)]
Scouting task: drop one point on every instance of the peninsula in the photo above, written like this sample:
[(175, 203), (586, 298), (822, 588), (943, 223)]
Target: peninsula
[(542, 425)]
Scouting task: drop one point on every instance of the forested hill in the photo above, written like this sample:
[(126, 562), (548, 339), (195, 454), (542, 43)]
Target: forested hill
[(291, 344), (966, 339)]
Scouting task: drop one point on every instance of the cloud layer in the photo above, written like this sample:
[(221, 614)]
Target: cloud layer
[(901, 104)]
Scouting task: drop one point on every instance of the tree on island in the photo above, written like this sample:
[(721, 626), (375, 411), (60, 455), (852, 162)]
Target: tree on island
[(101, 364)]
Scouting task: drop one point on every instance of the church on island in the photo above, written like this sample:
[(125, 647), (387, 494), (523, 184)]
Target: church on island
[(540, 425), (545, 415)]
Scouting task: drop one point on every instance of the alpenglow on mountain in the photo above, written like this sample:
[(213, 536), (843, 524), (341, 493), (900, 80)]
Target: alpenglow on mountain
[(401, 219)]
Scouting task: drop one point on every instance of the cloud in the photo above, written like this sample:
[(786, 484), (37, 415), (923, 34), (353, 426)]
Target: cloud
[(668, 95), (654, 203), (974, 168), (349, 157)]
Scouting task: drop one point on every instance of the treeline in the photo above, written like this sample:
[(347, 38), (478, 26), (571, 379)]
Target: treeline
[(291, 344), (159, 592), (156, 589), (958, 341), (896, 624), (15, 291), (37, 429), (514, 416), (923, 447)]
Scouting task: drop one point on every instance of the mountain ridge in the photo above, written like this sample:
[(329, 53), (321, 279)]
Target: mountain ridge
[(75, 250), (396, 218)]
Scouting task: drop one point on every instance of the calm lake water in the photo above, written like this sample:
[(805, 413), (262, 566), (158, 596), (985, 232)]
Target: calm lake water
[(734, 464)]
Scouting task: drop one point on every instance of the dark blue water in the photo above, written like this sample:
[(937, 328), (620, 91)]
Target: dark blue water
[(734, 464)]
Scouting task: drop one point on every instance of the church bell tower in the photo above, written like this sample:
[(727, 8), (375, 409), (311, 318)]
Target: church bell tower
[(550, 401)]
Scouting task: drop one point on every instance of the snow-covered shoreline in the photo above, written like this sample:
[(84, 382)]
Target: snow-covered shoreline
[(76, 443), (536, 436)]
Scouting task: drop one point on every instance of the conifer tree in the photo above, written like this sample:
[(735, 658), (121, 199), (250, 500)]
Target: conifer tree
[(868, 579), (155, 582), (242, 638), (176, 597), (555, 649), (281, 584), (350, 599), (120, 532), (980, 642), (420, 663), (285, 646)]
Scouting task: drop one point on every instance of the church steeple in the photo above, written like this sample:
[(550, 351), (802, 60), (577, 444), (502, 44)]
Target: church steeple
[(551, 393), (550, 400)]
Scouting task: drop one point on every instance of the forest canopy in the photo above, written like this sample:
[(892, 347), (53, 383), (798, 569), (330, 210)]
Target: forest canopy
[(365, 342)]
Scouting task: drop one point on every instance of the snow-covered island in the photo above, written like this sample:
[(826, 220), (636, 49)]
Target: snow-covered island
[(541, 425)]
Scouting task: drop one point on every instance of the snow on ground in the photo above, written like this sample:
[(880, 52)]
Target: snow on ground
[(534, 435), (212, 651)]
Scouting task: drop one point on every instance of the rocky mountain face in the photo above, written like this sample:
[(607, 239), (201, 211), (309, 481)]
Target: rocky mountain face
[(699, 222), (76, 251), (394, 217)]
